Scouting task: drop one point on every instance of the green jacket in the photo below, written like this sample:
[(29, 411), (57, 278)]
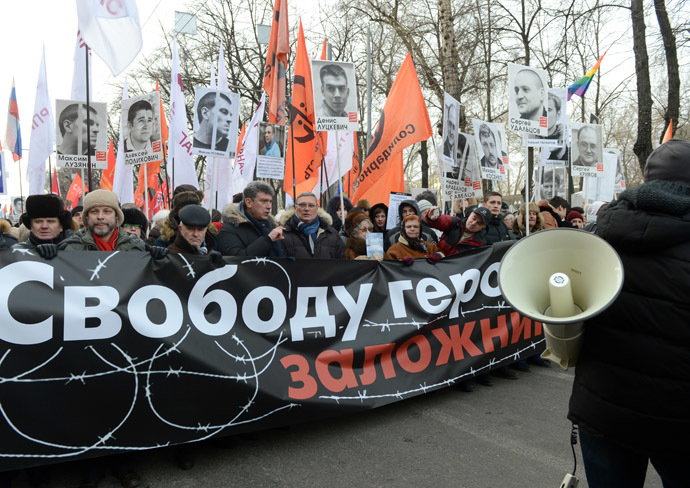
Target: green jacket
[(84, 241)]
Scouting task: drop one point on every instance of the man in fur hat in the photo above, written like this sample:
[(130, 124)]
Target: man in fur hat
[(308, 231), (248, 228), (48, 223), (135, 222)]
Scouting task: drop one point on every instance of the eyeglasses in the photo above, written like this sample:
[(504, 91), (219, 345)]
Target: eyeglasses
[(131, 226), (307, 205)]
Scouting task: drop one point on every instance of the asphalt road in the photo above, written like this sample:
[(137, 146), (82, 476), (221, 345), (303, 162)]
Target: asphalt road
[(514, 434)]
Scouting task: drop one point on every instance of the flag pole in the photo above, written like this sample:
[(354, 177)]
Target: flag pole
[(21, 191), (146, 189), (88, 124), (526, 191), (340, 178)]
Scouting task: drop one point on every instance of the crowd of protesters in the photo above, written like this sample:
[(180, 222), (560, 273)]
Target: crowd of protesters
[(420, 231)]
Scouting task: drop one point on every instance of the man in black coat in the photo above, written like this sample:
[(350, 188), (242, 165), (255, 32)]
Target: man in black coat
[(631, 395), (308, 231), (249, 229), (496, 230)]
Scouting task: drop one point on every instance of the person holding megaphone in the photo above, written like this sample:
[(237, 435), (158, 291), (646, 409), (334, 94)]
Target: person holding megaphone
[(631, 395)]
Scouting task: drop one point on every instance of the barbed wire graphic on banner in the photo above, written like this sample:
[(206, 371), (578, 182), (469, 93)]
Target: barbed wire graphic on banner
[(247, 367)]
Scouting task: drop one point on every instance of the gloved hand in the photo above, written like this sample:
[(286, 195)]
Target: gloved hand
[(47, 251), (158, 252), (216, 258), (434, 257), (407, 261)]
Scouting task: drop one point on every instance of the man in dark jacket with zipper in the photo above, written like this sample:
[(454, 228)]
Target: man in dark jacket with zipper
[(308, 231), (631, 392), (496, 230), (248, 228)]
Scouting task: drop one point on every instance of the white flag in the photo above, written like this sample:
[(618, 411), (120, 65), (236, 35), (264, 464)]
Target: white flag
[(181, 164), (42, 134), (243, 173), (112, 30), (123, 179), (79, 73), (347, 149), (219, 170)]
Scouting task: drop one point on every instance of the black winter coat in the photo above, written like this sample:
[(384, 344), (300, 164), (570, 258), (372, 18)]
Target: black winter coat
[(329, 244), (632, 380), (497, 231), (240, 237)]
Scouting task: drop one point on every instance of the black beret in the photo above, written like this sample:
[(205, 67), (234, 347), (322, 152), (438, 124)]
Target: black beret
[(195, 216), (78, 208)]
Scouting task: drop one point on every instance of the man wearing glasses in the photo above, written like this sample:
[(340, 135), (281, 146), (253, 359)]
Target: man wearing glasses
[(588, 147), (308, 231)]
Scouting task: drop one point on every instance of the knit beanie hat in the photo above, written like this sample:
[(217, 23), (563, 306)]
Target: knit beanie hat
[(103, 198), (573, 214), (424, 205), (42, 206), (669, 162)]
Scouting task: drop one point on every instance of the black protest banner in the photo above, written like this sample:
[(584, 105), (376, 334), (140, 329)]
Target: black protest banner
[(104, 352)]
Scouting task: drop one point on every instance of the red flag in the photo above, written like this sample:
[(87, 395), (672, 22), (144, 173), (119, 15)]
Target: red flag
[(55, 186), (158, 202), (669, 132), (276, 64), (353, 174), (74, 191), (404, 121), (108, 173), (303, 142)]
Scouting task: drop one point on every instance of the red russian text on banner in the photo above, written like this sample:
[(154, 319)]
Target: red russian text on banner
[(404, 121)]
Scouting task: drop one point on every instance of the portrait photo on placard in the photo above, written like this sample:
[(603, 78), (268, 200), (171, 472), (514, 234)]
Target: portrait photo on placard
[(491, 150), (463, 179), (141, 121), (527, 90), (557, 121), (78, 135), (552, 182), (451, 119), (216, 117), (335, 95), (586, 151), (271, 140), (619, 178)]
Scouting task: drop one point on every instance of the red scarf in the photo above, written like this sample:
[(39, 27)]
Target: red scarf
[(108, 245)]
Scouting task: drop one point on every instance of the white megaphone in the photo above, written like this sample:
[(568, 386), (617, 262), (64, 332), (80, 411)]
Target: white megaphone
[(561, 277)]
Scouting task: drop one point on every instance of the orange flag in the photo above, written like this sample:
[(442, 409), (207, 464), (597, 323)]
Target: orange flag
[(276, 64), (74, 191), (303, 143), (404, 121), (241, 138), (669, 132), (109, 172)]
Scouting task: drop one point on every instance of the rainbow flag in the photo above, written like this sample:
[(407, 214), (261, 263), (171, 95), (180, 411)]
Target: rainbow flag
[(580, 86), (13, 136)]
